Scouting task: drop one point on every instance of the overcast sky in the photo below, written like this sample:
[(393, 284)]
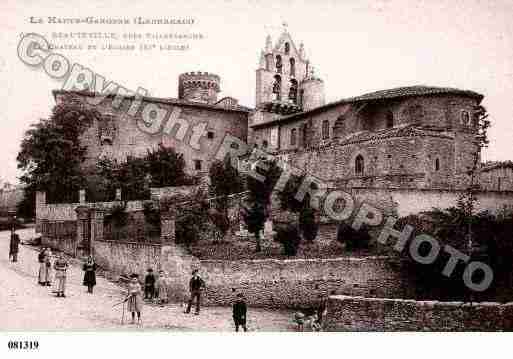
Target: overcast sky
[(355, 46)]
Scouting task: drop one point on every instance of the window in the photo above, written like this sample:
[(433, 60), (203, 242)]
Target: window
[(437, 164), (339, 127), (279, 65), (292, 67), (465, 118), (390, 119), (210, 135), (277, 88), (359, 165), (197, 165), (287, 48), (325, 129), (293, 91), (293, 137)]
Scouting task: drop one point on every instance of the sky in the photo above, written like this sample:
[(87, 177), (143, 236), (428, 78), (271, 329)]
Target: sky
[(355, 47)]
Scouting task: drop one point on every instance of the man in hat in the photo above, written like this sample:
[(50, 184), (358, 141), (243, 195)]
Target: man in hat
[(14, 246), (239, 312), (61, 266), (196, 284)]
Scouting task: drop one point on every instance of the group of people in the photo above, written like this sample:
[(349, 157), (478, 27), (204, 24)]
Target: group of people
[(155, 288), (57, 268)]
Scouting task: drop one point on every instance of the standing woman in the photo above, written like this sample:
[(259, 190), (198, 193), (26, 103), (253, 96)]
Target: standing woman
[(134, 298), (48, 266), (89, 268), (42, 266)]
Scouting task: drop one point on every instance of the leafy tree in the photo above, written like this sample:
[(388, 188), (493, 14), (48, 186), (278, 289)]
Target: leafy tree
[(254, 217), (224, 181), (289, 238), (51, 154), (192, 216), (166, 167)]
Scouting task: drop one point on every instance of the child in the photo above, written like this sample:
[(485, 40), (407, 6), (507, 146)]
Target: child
[(161, 288), (149, 285), (61, 266), (239, 312), (134, 298)]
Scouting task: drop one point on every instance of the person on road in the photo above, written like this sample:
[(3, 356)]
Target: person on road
[(14, 246), (61, 266), (149, 285), (89, 268), (42, 266), (161, 287), (134, 298), (196, 284), (239, 312)]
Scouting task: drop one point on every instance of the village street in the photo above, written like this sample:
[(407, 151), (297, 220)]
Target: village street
[(26, 305)]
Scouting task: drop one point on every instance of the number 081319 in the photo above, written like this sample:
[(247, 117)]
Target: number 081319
[(23, 344)]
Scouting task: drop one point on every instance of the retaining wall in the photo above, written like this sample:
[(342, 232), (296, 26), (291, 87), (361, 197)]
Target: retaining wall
[(297, 282), (347, 313)]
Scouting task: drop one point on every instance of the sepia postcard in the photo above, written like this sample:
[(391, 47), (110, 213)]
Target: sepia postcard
[(247, 167)]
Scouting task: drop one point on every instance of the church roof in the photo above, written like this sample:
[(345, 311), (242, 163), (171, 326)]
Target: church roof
[(400, 131), (494, 165), (383, 95), (166, 101)]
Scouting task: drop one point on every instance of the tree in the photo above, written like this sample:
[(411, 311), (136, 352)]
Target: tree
[(166, 167), (254, 217), (51, 154), (467, 200), (224, 181)]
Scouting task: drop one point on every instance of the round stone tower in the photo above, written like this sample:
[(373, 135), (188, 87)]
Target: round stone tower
[(313, 93), (198, 87)]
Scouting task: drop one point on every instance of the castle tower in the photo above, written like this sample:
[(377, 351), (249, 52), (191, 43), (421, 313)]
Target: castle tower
[(199, 87), (312, 91)]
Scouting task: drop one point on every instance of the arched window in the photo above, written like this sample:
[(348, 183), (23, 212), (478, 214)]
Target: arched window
[(293, 91), (390, 119), (437, 164), (279, 65), (325, 129), (359, 165), (293, 137), (287, 48), (292, 67), (277, 87), (465, 118)]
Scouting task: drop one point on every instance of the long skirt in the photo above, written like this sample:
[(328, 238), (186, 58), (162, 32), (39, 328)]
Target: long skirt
[(43, 273), (135, 303), (60, 277)]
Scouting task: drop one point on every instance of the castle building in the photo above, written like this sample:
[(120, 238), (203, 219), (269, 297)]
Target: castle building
[(413, 137), (194, 124), (407, 137)]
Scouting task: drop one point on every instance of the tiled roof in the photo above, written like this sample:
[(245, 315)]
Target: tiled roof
[(166, 101), (390, 94), (402, 131), (493, 165)]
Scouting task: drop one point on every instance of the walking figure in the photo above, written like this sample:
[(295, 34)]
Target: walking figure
[(239, 313), (89, 268), (61, 266), (135, 298), (196, 284), (14, 246), (149, 285), (161, 288)]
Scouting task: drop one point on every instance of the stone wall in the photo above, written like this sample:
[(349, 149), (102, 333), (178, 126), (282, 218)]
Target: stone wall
[(297, 282), (377, 314), (125, 258)]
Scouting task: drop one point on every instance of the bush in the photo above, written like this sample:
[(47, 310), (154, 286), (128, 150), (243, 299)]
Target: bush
[(288, 237), (352, 238), (308, 224), (118, 215)]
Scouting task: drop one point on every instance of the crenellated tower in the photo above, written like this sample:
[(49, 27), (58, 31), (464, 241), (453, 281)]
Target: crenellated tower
[(199, 87)]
